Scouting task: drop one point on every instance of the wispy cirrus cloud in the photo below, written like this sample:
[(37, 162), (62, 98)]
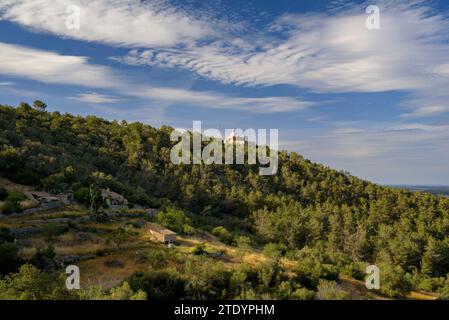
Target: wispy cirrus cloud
[(331, 53), (215, 100), (51, 67), (96, 98), (328, 53), (386, 153), (322, 52)]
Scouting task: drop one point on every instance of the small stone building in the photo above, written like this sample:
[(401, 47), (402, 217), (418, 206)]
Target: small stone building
[(162, 235), (45, 199), (114, 200)]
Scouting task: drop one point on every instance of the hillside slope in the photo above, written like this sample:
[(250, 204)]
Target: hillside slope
[(328, 217)]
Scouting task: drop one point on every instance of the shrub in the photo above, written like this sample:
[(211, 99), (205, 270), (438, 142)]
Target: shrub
[(393, 280), (122, 234), (188, 229), (206, 279), (303, 294), (274, 250), (309, 272), (10, 207), (82, 195), (289, 291), (431, 284), (5, 235), (9, 258), (100, 253), (157, 259), (44, 259), (173, 219), (268, 274), (328, 290), (158, 284), (3, 194), (199, 250), (124, 292), (443, 292), (14, 196), (30, 283), (223, 234), (53, 230), (355, 270)]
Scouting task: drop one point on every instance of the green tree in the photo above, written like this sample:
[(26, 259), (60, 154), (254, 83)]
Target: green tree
[(95, 198), (173, 219), (39, 105), (32, 284)]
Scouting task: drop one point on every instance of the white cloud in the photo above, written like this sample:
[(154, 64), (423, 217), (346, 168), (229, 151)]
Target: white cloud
[(328, 53), (96, 98), (116, 22), (215, 100), (50, 67), (321, 52), (7, 84), (388, 153)]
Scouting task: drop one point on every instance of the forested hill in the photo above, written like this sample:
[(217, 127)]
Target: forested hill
[(342, 218)]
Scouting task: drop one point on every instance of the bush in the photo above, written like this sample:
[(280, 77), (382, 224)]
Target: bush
[(431, 284), (443, 292), (3, 194), (53, 230), (355, 270), (393, 280), (268, 274), (223, 234), (124, 292), (10, 207), (303, 294), (173, 219), (123, 234), (289, 291), (9, 258), (328, 290), (44, 259), (5, 235), (157, 259), (274, 250), (14, 196), (158, 284), (188, 229), (30, 283), (309, 272), (82, 195), (206, 280), (100, 253), (199, 250)]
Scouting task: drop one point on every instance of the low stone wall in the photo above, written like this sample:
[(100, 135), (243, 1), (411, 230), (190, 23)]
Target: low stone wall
[(25, 231)]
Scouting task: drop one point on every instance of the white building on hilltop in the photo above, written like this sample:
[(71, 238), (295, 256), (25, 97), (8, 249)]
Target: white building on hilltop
[(235, 138)]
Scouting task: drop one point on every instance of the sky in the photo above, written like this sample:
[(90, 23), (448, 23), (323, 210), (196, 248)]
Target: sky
[(374, 102)]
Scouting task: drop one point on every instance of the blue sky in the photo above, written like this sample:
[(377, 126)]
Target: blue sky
[(372, 102)]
